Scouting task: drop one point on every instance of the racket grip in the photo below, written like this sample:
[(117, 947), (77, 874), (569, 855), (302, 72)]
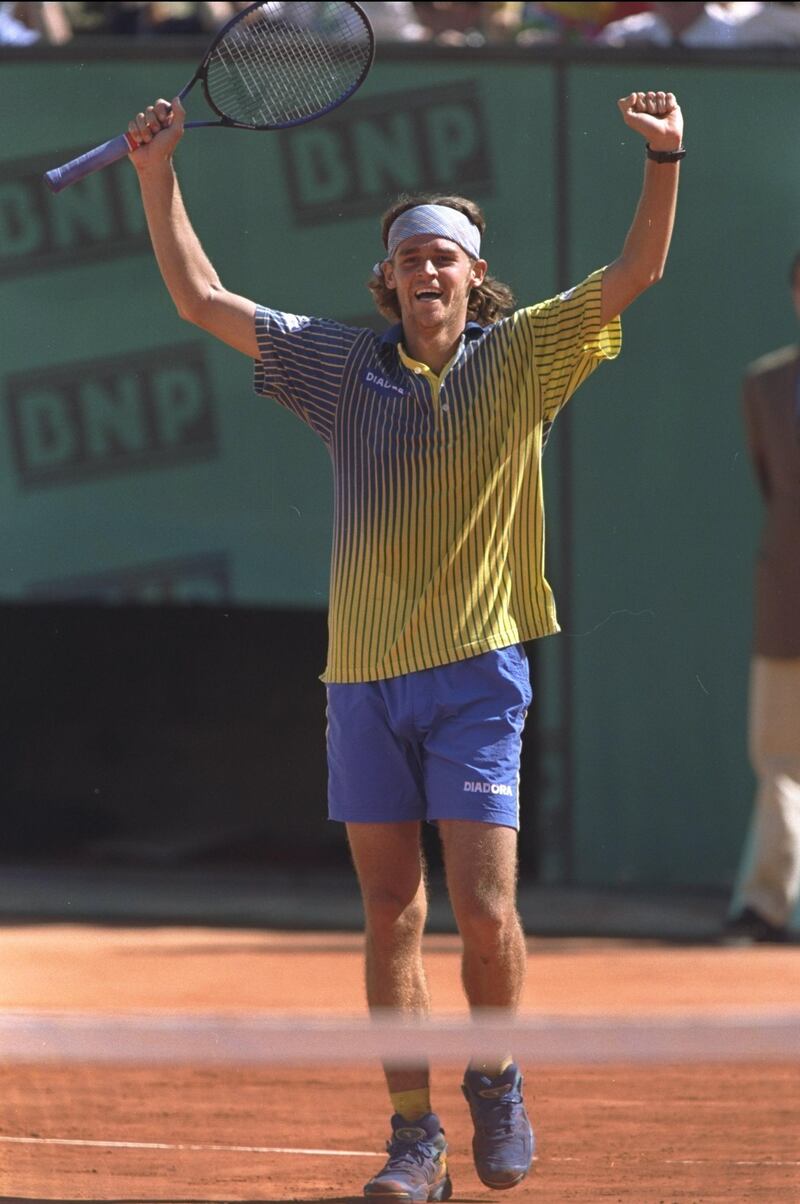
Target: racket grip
[(93, 160)]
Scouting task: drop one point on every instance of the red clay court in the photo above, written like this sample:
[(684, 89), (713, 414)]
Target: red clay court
[(227, 1128)]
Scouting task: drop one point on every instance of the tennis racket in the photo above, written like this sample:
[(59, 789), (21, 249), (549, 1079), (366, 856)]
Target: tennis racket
[(272, 66)]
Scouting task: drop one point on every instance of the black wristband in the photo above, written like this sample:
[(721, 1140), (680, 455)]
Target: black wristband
[(665, 156)]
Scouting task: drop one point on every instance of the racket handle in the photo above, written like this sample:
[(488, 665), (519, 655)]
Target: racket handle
[(93, 160)]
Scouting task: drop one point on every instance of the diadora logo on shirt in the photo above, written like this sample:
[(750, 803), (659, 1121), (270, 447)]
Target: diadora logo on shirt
[(387, 387), (488, 788)]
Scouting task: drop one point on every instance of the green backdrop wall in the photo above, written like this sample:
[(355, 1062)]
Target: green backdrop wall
[(136, 465)]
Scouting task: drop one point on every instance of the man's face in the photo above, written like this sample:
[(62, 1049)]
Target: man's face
[(433, 278)]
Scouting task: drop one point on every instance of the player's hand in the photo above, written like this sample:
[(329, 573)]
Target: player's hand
[(157, 131), (656, 116)]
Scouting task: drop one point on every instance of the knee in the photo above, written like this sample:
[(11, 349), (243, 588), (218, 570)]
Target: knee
[(394, 916), (487, 925)]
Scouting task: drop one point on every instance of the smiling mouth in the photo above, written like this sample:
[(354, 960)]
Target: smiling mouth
[(427, 295)]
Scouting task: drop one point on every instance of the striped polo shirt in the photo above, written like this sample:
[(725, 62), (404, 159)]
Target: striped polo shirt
[(438, 522)]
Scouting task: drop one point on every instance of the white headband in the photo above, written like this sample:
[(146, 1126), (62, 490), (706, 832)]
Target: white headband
[(440, 221)]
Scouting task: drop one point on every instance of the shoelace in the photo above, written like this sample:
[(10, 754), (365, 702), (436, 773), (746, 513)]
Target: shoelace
[(408, 1152), (498, 1117)]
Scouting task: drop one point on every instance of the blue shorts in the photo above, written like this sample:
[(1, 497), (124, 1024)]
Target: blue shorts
[(441, 743)]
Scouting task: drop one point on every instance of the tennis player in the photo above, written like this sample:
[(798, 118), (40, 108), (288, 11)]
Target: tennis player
[(435, 431)]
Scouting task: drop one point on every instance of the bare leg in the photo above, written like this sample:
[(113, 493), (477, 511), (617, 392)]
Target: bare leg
[(391, 873), (481, 864)]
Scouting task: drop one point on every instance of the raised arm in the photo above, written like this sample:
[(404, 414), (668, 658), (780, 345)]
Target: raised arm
[(189, 275), (658, 118)]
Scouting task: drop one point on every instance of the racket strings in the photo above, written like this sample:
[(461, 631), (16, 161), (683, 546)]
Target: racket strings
[(285, 63), (293, 91), (296, 79)]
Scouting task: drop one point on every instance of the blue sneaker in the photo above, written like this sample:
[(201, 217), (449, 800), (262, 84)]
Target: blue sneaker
[(503, 1144), (417, 1166)]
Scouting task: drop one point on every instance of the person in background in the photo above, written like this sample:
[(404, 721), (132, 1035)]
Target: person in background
[(140, 18), (773, 25), (682, 24), (396, 21), (470, 24), (28, 23), (570, 22), (771, 890)]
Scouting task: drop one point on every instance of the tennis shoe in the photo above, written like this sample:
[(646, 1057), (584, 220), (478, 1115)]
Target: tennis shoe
[(749, 927), (503, 1144), (417, 1165)]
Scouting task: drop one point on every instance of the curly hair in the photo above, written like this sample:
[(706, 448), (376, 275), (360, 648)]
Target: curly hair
[(487, 301)]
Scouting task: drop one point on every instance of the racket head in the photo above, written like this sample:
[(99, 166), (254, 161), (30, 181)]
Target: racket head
[(281, 64)]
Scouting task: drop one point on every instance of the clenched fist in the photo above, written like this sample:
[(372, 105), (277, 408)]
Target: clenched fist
[(656, 116)]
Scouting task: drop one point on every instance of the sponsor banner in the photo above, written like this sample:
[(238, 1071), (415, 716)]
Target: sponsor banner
[(421, 139), (119, 414), (98, 219)]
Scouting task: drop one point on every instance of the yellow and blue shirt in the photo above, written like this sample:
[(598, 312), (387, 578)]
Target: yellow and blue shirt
[(438, 522)]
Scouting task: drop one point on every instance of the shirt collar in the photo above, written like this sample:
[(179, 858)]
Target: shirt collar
[(394, 334)]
